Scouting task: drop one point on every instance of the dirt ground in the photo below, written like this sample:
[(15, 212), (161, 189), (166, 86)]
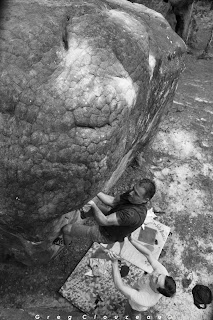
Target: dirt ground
[(179, 159)]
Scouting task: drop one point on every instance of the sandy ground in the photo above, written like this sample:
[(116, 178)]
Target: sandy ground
[(182, 167), (179, 159)]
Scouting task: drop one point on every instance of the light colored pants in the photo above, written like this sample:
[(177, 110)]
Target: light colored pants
[(91, 233)]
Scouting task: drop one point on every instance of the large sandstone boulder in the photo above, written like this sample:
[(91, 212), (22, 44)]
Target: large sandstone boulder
[(83, 86)]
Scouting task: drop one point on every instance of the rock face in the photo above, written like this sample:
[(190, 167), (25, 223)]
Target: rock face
[(177, 12), (83, 86)]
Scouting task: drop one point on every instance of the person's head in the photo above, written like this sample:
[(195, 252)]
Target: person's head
[(142, 191), (163, 284)]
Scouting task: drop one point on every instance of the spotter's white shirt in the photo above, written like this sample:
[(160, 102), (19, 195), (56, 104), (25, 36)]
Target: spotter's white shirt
[(143, 297)]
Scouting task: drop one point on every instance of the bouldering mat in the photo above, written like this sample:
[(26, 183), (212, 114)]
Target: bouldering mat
[(147, 235), (97, 294), (128, 252), (90, 287)]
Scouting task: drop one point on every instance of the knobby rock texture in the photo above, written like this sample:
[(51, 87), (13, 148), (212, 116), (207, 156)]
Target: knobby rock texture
[(83, 86)]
